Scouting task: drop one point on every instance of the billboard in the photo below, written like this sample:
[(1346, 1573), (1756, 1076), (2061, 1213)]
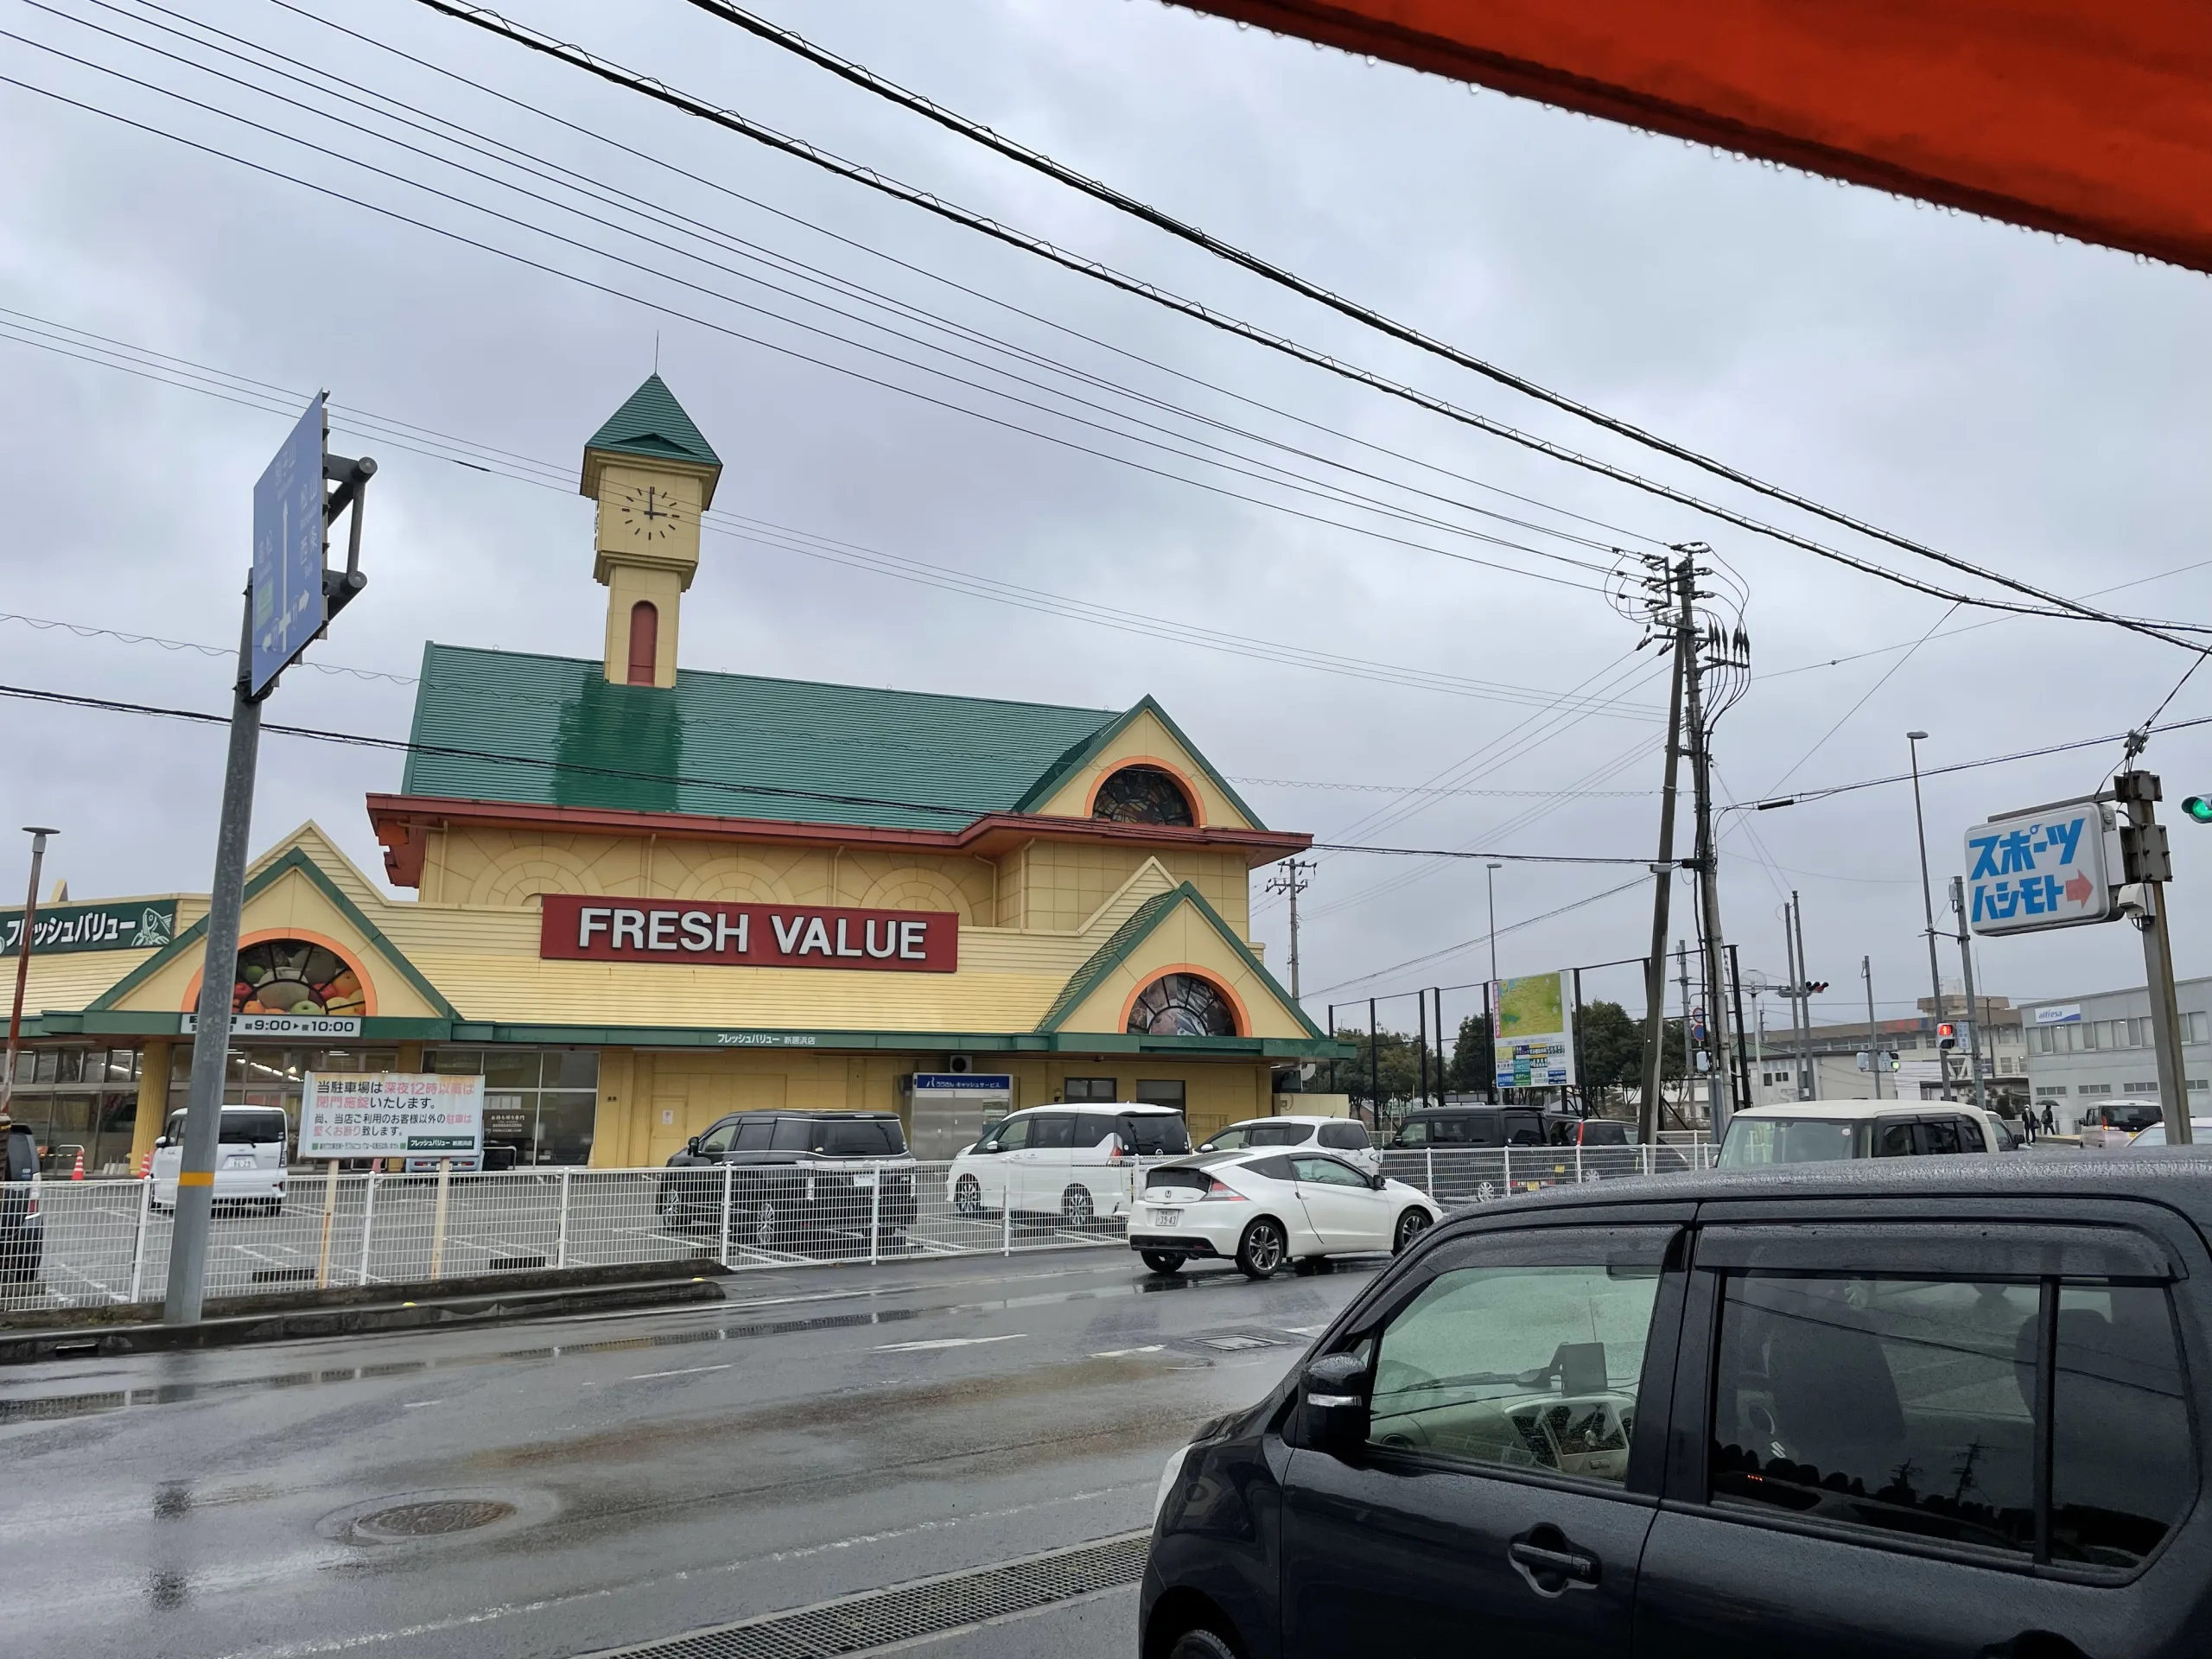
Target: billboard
[(391, 1115), (1533, 1032), (2028, 871)]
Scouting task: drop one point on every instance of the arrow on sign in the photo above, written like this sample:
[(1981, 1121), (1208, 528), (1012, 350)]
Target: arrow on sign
[(2079, 889)]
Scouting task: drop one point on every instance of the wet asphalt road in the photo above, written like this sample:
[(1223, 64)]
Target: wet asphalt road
[(821, 1433)]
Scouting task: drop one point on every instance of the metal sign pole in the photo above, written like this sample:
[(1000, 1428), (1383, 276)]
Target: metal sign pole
[(2145, 863), (1973, 1008)]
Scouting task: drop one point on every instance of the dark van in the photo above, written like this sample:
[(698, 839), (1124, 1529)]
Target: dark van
[(795, 1176), (1471, 1126)]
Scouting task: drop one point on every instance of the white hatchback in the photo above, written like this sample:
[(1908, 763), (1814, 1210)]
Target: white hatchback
[(1069, 1160), (1261, 1209), (248, 1158), (1346, 1137)]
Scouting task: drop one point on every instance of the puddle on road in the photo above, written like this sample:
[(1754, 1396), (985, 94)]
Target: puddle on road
[(45, 1408)]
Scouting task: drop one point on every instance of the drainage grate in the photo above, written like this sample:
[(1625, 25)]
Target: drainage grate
[(925, 1607), (1232, 1344), (433, 1519)]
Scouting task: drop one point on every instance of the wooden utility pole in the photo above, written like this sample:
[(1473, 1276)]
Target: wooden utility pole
[(1291, 883)]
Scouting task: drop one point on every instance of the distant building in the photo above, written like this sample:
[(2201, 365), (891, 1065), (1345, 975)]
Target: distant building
[(1833, 1050), (2099, 1046)]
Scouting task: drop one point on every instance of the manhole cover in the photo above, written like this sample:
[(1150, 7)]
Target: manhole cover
[(433, 1519), (1232, 1344)]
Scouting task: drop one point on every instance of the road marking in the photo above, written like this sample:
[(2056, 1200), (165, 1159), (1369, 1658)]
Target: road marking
[(944, 1342), (417, 1405), (1123, 1353), (688, 1370)]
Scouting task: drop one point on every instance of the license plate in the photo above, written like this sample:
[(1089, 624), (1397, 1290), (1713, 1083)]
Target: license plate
[(245, 1162), (809, 1189), (1167, 1217), (867, 1180)]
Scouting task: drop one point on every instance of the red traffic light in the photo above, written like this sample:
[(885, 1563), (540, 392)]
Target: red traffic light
[(1947, 1036)]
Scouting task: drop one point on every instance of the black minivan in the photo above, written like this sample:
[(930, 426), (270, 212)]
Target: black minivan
[(1919, 1408), (795, 1178)]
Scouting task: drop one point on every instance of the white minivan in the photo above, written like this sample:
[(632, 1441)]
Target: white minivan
[(1065, 1160), (248, 1158), (1346, 1137)]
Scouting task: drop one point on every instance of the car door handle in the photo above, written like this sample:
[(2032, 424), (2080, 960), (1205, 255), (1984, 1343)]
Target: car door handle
[(1551, 1564)]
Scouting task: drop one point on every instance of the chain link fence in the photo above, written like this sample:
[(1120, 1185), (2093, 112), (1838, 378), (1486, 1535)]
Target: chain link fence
[(106, 1243)]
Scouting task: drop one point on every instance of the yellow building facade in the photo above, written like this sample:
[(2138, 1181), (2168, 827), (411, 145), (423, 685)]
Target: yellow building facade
[(637, 897)]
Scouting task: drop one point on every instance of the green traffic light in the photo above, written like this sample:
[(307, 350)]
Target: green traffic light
[(2199, 807)]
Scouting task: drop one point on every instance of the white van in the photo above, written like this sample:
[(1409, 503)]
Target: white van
[(1346, 1137), (248, 1158), (1819, 1131), (1064, 1161)]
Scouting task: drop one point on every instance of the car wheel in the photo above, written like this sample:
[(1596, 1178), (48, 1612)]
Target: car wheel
[(1411, 1225), (1263, 1250), (1163, 1261), (767, 1225), (1076, 1208), (1200, 1645), (967, 1195)]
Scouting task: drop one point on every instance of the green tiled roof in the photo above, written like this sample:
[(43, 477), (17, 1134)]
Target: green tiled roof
[(654, 423), (729, 745)]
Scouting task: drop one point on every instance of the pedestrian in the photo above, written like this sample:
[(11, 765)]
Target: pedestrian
[(2049, 1119)]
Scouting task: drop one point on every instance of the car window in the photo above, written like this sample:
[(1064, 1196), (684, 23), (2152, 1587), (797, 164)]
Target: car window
[(860, 1138), (1280, 1167), (1524, 1367), (1053, 1130), (793, 1134), (2122, 1465), (1414, 1134), (1327, 1172), (251, 1128), (1970, 1136), (1152, 1135), (1014, 1135), (1560, 1132), (1604, 1132), (1939, 1135), (1469, 1129), (1889, 1404), (1279, 1134), (1228, 1141), (1754, 1142), (1092, 1128), (1345, 1137), (1893, 1138), (717, 1140), (754, 1133), (1523, 1130)]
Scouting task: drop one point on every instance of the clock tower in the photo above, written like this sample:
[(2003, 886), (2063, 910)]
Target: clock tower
[(652, 474)]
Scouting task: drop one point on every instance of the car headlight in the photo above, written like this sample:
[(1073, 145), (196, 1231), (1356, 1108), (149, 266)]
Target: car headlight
[(1168, 1478)]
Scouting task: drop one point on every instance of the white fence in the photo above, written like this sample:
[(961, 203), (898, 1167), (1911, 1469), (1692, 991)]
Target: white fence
[(106, 1243)]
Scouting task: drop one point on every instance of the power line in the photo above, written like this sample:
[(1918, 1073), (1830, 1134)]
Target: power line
[(1282, 478), (1481, 938), (860, 75), (262, 397)]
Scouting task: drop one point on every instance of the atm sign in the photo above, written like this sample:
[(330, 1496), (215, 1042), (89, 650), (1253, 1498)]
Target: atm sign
[(577, 928)]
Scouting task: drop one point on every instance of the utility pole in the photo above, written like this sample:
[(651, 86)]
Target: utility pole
[(1690, 1049), (1874, 1030), (1707, 853), (1973, 1007), (23, 966), (1801, 1006), (2147, 868), (1662, 870), (1291, 883), (1928, 906)]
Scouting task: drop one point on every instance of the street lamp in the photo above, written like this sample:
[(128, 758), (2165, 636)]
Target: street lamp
[(1928, 904), (1490, 881)]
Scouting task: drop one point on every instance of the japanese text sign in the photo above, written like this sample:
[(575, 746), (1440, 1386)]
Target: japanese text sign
[(701, 931), (2035, 870), (286, 594), (1534, 1046), (391, 1115)]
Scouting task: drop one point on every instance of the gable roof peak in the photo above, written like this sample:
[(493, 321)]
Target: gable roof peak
[(652, 426)]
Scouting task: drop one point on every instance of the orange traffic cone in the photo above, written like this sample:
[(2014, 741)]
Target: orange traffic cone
[(145, 1163), (77, 1174)]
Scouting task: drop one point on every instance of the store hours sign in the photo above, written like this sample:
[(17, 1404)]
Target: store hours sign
[(578, 929)]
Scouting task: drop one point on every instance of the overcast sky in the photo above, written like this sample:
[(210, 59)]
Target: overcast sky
[(2030, 404)]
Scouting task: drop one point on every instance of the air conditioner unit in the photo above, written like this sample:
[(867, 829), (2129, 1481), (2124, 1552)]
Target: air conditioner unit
[(960, 1064)]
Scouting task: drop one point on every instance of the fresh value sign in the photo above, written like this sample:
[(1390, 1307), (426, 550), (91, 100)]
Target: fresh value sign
[(90, 927), (578, 929), (391, 1115), (2035, 870)]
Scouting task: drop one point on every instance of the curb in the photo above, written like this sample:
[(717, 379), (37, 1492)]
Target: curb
[(497, 1308)]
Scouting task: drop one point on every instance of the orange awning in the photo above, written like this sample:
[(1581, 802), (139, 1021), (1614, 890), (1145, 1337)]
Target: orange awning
[(2089, 117)]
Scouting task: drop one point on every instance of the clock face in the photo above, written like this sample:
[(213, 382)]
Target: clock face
[(650, 512)]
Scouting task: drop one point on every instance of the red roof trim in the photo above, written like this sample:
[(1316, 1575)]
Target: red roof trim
[(402, 823)]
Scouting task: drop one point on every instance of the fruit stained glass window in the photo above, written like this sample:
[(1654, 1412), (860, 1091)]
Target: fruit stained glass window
[(295, 976), (1182, 1005), (1143, 795)]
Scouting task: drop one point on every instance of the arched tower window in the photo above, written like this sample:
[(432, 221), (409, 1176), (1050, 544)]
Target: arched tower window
[(1183, 1005), (1143, 795), (645, 642)]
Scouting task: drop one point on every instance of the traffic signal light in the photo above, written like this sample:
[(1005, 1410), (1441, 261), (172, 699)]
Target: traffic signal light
[(2199, 808), (1947, 1036), (1815, 986)]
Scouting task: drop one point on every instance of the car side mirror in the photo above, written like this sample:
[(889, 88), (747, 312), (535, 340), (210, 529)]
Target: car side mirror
[(160, 1140), (692, 1145), (1333, 1398), (1378, 1181), (1206, 1146), (988, 1146)]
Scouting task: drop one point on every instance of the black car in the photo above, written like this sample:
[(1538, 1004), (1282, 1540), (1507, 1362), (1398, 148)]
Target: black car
[(1471, 1126), (795, 1176), (22, 1230), (1955, 1406)]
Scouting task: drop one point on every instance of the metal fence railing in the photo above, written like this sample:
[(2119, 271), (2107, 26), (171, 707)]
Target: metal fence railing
[(106, 1243)]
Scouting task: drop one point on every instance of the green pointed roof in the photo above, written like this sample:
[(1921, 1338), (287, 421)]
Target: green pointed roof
[(652, 426)]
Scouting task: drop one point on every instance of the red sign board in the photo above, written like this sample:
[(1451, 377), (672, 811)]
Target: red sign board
[(577, 928)]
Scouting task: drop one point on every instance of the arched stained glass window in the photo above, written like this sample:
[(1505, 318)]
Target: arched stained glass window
[(1143, 795), (1183, 1005), (295, 976)]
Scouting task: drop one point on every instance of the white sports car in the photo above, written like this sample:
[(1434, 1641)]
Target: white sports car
[(1262, 1208)]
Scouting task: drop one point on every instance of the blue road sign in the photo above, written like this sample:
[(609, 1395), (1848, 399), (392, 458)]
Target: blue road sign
[(287, 596)]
